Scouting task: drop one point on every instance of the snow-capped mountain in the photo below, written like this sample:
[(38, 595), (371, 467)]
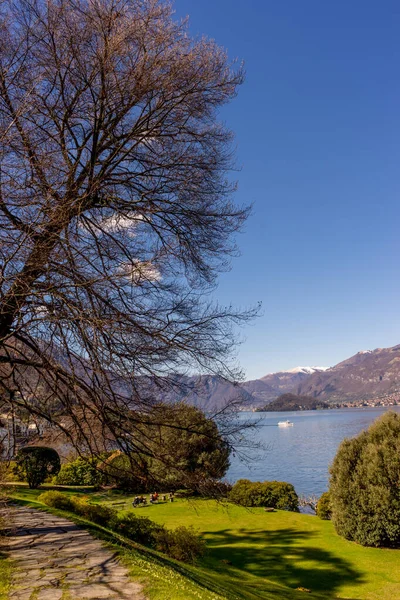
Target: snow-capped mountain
[(307, 370), (366, 375), (273, 385)]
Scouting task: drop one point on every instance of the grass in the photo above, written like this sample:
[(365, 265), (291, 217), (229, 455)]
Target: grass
[(258, 555), (160, 575), (5, 575), (5, 568)]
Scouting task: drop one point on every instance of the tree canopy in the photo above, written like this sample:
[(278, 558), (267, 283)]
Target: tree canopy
[(36, 463), (116, 210), (189, 446), (181, 448), (365, 485)]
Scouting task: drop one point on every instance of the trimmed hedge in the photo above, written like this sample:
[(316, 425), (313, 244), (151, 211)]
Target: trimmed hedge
[(275, 494)]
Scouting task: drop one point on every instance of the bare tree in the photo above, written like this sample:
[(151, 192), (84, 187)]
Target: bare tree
[(115, 209)]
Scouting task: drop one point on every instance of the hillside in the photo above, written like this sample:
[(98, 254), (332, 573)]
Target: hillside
[(288, 402), (366, 375), (208, 392), (212, 393), (271, 386)]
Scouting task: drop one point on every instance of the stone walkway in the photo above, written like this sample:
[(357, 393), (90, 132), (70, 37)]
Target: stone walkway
[(56, 560)]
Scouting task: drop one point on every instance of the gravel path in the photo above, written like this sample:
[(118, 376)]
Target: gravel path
[(56, 560)]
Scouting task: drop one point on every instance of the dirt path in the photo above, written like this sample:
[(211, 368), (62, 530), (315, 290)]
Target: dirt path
[(56, 560)]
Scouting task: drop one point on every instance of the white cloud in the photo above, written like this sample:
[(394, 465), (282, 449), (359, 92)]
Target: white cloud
[(137, 271), (118, 223)]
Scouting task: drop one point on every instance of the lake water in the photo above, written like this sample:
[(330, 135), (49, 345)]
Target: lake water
[(300, 454)]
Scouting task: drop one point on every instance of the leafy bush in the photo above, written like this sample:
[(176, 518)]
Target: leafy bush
[(98, 513), (36, 463), (276, 494), (139, 529), (365, 485), (323, 508), (8, 472), (82, 471), (182, 543), (57, 500), (185, 493)]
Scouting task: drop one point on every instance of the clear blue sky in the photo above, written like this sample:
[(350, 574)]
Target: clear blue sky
[(317, 126)]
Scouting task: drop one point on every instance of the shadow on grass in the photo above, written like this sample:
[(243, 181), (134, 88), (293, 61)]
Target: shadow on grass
[(280, 556)]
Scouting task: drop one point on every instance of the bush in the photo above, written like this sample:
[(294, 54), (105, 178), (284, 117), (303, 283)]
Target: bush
[(365, 485), (8, 471), (182, 543), (323, 508), (98, 513), (57, 500), (36, 463), (139, 529), (275, 494), (82, 471)]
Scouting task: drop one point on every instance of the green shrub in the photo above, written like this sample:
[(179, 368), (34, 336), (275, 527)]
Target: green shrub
[(365, 485), (323, 508), (275, 494), (57, 500), (139, 529), (36, 463), (81, 471), (8, 472), (185, 493), (98, 513), (182, 543)]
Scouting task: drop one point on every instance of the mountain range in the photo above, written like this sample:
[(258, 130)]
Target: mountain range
[(368, 375)]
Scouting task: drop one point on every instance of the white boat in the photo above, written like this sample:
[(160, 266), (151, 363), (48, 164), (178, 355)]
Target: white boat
[(285, 424)]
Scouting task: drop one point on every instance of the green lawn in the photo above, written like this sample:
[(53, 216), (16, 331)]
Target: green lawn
[(252, 553), (5, 576), (5, 564)]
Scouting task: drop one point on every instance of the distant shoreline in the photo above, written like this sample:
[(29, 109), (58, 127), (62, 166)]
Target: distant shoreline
[(339, 407)]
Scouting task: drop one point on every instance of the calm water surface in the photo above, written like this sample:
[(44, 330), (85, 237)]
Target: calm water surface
[(301, 454)]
